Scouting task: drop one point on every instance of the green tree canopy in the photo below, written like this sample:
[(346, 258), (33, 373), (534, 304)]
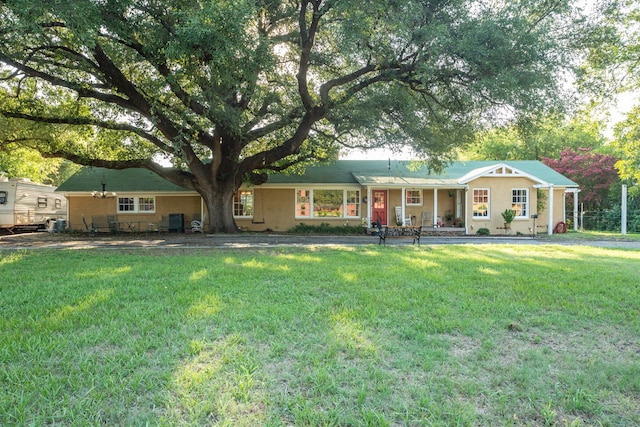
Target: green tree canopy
[(230, 90), (18, 158), (544, 138), (612, 67), (627, 145), (612, 63)]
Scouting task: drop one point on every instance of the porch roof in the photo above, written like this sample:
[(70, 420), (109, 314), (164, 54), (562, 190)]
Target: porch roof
[(398, 181)]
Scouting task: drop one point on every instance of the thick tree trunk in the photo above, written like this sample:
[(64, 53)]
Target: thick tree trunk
[(219, 203)]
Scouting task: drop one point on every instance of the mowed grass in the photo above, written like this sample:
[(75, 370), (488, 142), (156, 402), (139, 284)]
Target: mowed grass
[(486, 335)]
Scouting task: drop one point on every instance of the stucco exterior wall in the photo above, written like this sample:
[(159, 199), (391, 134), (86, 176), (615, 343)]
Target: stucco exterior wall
[(274, 208), (500, 199), (88, 206)]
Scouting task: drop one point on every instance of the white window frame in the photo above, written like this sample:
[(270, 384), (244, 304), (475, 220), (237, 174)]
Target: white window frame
[(303, 200), (237, 201), (524, 205), (473, 203), (136, 204), (412, 190), (345, 203), (356, 202)]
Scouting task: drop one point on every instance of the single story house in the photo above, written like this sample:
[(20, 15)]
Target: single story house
[(465, 197)]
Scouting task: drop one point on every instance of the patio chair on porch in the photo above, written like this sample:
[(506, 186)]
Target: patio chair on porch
[(91, 230), (427, 219), (197, 224), (160, 226), (399, 219)]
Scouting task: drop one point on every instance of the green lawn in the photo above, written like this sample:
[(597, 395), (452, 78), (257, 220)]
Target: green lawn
[(365, 336), (591, 236)]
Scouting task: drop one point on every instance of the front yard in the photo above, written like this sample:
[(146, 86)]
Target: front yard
[(364, 336)]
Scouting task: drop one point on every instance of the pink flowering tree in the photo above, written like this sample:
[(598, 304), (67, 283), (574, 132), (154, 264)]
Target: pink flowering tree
[(595, 173)]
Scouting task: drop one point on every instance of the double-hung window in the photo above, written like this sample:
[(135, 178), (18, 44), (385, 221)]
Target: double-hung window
[(327, 203), (481, 200), (132, 204), (413, 198), (520, 202), (243, 204)]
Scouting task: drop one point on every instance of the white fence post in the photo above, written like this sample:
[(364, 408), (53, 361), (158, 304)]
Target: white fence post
[(624, 211)]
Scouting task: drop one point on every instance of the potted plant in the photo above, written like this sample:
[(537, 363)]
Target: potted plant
[(508, 215), (448, 216)]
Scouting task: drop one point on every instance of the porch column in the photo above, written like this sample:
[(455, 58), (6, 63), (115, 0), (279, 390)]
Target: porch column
[(550, 214), (402, 201), (369, 204), (575, 210), (435, 206), (467, 218)]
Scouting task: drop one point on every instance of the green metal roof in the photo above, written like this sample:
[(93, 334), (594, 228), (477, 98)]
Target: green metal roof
[(363, 172), (409, 173), (133, 180)]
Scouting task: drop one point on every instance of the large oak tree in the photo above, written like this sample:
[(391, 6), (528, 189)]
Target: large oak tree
[(230, 90)]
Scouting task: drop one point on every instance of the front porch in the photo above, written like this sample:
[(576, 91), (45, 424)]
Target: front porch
[(439, 210)]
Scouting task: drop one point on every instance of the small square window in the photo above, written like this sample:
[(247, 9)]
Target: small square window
[(146, 204), (126, 204)]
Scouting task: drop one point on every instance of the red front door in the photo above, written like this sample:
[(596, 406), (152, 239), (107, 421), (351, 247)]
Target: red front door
[(379, 206)]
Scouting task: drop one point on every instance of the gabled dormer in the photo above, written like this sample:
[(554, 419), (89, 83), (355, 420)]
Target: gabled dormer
[(500, 170)]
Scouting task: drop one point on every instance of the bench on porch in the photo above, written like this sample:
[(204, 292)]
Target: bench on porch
[(407, 231)]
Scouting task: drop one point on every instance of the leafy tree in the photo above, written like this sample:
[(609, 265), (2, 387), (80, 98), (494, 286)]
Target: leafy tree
[(22, 162), (627, 144), (594, 172), (612, 67), (228, 91), (17, 159), (612, 63), (528, 140)]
